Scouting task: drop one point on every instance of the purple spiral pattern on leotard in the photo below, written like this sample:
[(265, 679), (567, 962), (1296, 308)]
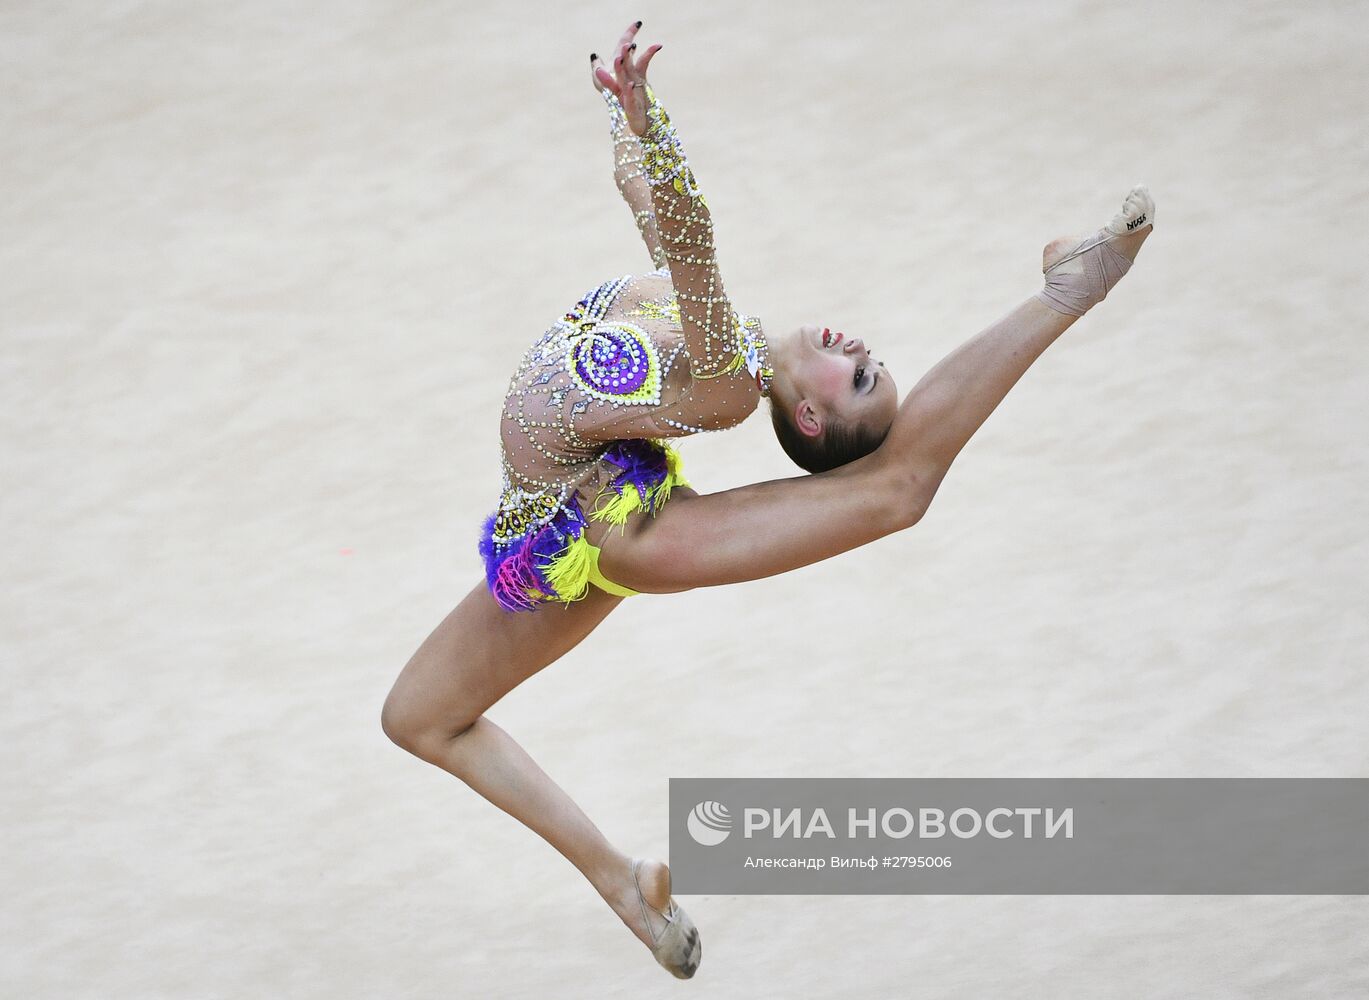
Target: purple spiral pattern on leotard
[(613, 360)]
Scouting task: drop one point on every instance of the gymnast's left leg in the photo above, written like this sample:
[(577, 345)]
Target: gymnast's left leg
[(435, 710), (768, 528)]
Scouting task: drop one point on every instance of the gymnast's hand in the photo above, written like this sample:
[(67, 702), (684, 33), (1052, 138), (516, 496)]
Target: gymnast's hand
[(627, 82)]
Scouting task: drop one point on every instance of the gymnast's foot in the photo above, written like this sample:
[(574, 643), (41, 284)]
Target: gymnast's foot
[(1080, 271), (643, 902)]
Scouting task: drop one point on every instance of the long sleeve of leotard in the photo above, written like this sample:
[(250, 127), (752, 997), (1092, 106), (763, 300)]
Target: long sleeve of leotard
[(627, 174), (686, 233)]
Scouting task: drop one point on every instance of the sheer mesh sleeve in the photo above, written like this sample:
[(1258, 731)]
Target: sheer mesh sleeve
[(627, 174), (686, 232)]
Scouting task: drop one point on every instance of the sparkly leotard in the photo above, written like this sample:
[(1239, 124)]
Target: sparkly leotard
[(636, 361)]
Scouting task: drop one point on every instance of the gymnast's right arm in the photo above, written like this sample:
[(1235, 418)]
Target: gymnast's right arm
[(627, 174), (683, 221)]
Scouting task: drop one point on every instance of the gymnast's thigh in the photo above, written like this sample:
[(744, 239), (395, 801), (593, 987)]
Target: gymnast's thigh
[(755, 531), (480, 652)]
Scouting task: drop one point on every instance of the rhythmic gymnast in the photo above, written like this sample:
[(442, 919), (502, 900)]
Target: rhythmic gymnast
[(595, 506)]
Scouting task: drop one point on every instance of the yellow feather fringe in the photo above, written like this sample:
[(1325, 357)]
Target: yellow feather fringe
[(568, 572), (615, 507)]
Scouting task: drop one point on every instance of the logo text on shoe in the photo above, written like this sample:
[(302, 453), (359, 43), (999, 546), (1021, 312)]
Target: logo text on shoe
[(1139, 222)]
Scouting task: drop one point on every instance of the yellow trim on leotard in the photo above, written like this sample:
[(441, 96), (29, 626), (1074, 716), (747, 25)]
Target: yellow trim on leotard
[(602, 582)]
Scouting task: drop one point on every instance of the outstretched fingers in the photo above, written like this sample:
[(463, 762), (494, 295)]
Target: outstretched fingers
[(615, 80), (625, 79)]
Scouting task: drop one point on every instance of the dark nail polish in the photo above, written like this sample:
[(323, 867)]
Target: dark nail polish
[(639, 24), (632, 46), (593, 56)]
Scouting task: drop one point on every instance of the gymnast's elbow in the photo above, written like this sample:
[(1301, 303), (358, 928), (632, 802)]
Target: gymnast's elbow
[(910, 494)]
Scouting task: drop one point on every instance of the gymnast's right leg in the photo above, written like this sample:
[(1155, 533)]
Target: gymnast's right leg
[(436, 708)]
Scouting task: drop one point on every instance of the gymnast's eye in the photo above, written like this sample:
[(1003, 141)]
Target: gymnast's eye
[(860, 374)]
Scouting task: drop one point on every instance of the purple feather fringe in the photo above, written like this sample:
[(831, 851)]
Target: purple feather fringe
[(643, 465), (511, 570)]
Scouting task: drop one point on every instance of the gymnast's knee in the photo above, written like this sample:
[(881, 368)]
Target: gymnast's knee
[(410, 727), (400, 725)]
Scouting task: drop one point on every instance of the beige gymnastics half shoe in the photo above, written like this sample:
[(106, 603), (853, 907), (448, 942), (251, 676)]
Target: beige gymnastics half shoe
[(1138, 213), (1082, 277), (678, 947)]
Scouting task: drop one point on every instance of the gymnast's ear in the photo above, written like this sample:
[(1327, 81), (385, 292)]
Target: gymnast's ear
[(807, 421)]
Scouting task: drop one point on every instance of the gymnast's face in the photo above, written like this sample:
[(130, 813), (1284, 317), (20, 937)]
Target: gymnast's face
[(831, 376)]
